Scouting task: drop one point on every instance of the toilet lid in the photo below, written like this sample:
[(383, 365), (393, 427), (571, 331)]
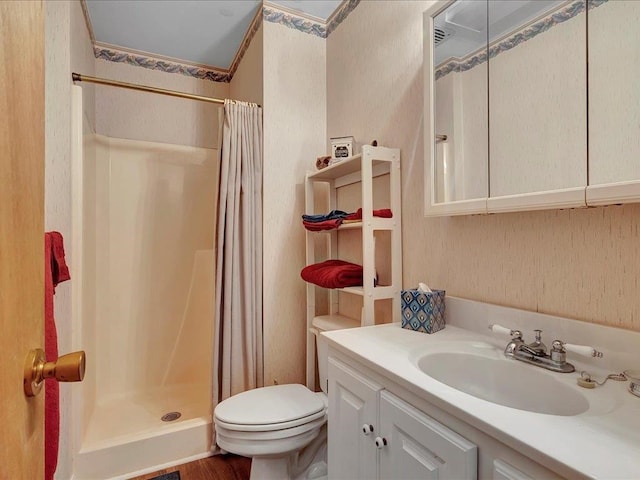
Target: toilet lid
[(269, 405)]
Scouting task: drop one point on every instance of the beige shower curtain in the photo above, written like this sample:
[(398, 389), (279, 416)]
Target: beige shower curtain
[(238, 359)]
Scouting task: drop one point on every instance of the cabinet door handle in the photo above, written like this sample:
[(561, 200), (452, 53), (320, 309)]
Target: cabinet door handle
[(381, 442), (367, 429)]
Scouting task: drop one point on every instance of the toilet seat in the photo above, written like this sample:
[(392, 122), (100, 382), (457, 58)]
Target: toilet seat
[(268, 409), (270, 422), (269, 427), (270, 435)]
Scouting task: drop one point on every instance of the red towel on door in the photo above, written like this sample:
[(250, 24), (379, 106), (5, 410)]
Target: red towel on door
[(55, 271)]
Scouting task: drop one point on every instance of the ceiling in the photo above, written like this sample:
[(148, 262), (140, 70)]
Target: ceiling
[(203, 32)]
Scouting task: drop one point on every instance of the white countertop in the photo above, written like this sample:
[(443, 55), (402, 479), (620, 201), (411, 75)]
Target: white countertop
[(603, 442)]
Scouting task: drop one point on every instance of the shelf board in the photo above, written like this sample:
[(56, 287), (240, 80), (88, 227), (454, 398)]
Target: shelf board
[(349, 167), (334, 322), (339, 169), (353, 290), (344, 226), (379, 223), (381, 292), (350, 226)]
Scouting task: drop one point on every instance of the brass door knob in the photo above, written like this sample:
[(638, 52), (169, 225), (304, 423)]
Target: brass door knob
[(67, 368)]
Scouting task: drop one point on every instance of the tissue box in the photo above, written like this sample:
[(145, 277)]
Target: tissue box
[(422, 311)]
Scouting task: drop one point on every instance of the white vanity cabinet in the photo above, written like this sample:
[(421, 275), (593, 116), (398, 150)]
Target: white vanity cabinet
[(379, 430), (373, 434), (425, 417)]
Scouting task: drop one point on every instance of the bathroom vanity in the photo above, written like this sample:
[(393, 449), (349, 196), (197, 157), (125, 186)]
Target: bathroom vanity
[(390, 418)]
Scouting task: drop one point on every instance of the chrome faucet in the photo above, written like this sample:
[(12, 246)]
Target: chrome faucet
[(535, 353), (537, 347)]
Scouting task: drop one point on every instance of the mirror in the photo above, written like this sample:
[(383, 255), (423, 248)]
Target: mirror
[(460, 91), (505, 105), (614, 95), (537, 96)]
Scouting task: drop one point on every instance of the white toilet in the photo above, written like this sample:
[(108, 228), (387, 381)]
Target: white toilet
[(282, 427)]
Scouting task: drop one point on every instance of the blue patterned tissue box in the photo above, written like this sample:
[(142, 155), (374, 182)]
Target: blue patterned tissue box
[(422, 311)]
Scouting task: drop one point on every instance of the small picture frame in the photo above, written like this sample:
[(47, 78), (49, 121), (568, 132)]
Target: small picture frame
[(341, 147)]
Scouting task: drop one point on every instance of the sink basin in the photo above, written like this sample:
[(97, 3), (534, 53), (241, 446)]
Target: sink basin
[(490, 376)]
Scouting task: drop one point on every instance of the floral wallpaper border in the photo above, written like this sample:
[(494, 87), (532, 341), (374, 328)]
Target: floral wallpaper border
[(119, 56), (562, 15), (341, 14), (298, 22), (295, 22)]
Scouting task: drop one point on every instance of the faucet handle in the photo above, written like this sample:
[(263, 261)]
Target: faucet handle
[(495, 328), (561, 347)]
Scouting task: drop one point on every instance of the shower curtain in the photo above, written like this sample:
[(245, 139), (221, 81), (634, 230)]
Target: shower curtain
[(238, 358)]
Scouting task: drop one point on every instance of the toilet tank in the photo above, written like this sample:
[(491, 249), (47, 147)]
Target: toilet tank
[(325, 323)]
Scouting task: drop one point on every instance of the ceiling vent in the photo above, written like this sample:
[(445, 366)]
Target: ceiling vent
[(440, 35)]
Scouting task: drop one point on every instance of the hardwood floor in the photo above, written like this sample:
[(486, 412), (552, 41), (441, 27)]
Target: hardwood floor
[(218, 467)]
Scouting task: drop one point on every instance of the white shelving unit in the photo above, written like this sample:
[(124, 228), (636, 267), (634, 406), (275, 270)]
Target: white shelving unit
[(362, 168)]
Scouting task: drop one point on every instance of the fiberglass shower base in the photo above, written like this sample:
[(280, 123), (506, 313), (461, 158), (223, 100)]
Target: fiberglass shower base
[(126, 437), (138, 415)]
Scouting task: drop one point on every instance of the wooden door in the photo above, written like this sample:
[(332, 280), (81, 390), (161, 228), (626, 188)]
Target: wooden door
[(21, 233)]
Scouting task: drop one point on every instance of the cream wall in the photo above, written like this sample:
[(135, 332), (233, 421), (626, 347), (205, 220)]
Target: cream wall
[(83, 61), (582, 264), (67, 48), (150, 117), (294, 135), (247, 84)]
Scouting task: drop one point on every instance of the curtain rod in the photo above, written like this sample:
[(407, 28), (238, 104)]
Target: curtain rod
[(76, 77)]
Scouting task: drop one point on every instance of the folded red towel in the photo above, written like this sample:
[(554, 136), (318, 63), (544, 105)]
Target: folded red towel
[(382, 212), (333, 274), (324, 225), (56, 271)]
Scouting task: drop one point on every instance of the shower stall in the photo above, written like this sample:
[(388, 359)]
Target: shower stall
[(144, 219)]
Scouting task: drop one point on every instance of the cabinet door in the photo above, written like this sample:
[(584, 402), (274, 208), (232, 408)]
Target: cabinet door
[(353, 407), (614, 102), (416, 446)]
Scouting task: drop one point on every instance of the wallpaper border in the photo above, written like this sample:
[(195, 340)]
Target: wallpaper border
[(527, 33), (273, 14), (120, 56)]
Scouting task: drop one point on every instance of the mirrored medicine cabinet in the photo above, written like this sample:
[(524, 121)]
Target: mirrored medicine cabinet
[(514, 119)]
